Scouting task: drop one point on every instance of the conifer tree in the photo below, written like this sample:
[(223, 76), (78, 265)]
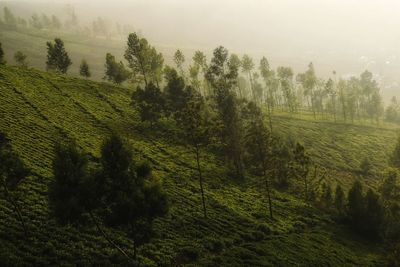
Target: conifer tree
[(57, 58), (84, 69)]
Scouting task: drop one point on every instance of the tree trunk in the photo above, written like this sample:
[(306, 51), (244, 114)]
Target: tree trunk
[(200, 180), (107, 238), (268, 191)]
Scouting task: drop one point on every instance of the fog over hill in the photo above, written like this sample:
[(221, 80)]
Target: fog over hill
[(348, 36)]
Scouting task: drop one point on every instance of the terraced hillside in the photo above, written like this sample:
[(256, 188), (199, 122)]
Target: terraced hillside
[(38, 108)]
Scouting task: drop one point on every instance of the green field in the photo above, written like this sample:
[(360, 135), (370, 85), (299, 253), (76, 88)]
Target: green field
[(37, 109)]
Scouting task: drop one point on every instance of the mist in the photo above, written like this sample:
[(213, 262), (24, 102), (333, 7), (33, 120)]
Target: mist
[(346, 36)]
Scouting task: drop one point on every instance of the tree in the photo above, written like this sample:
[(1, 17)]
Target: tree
[(258, 143), (175, 91), (330, 91), (356, 206), (301, 165), (156, 66), (200, 60), (327, 197), (84, 69), (179, 60), (12, 172), (222, 76), (67, 196), (57, 58), (366, 167), (2, 60), (55, 22), (309, 81), (281, 163), (193, 120), (374, 215), (36, 22), (20, 58), (392, 112), (132, 195), (115, 72), (339, 200), (149, 102), (268, 75), (342, 96), (9, 18), (247, 67), (137, 55), (235, 62), (285, 75), (390, 194), (395, 157)]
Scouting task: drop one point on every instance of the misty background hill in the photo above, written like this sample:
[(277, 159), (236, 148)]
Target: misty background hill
[(346, 36)]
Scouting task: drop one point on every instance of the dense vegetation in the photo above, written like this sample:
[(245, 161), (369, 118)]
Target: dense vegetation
[(199, 166)]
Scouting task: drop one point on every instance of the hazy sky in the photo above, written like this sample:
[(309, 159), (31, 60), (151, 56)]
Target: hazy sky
[(344, 35)]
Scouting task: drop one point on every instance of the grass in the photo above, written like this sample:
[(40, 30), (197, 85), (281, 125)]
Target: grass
[(37, 109)]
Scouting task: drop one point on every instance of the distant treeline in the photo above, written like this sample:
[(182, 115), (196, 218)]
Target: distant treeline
[(99, 27)]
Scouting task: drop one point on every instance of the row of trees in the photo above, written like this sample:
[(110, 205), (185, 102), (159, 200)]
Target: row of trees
[(120, 192), (99, 27)]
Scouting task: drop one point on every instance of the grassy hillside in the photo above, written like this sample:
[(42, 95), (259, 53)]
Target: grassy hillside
[(33, 43), (38, 108)]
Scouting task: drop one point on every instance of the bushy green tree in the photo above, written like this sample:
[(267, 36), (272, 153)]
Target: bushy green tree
[(356, 206), (132, 197), (84, 69), (176, 93), (115, 72), (374, 217), (67, 192), (144, 60), (150, 103), (57, 58)]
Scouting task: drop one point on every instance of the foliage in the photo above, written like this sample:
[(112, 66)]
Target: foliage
[(20, 58), (57, 58), (84, 69), (150, 102), (67, 194), (115, 72)]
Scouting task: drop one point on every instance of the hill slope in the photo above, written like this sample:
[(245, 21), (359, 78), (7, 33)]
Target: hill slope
[(38, 108)]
